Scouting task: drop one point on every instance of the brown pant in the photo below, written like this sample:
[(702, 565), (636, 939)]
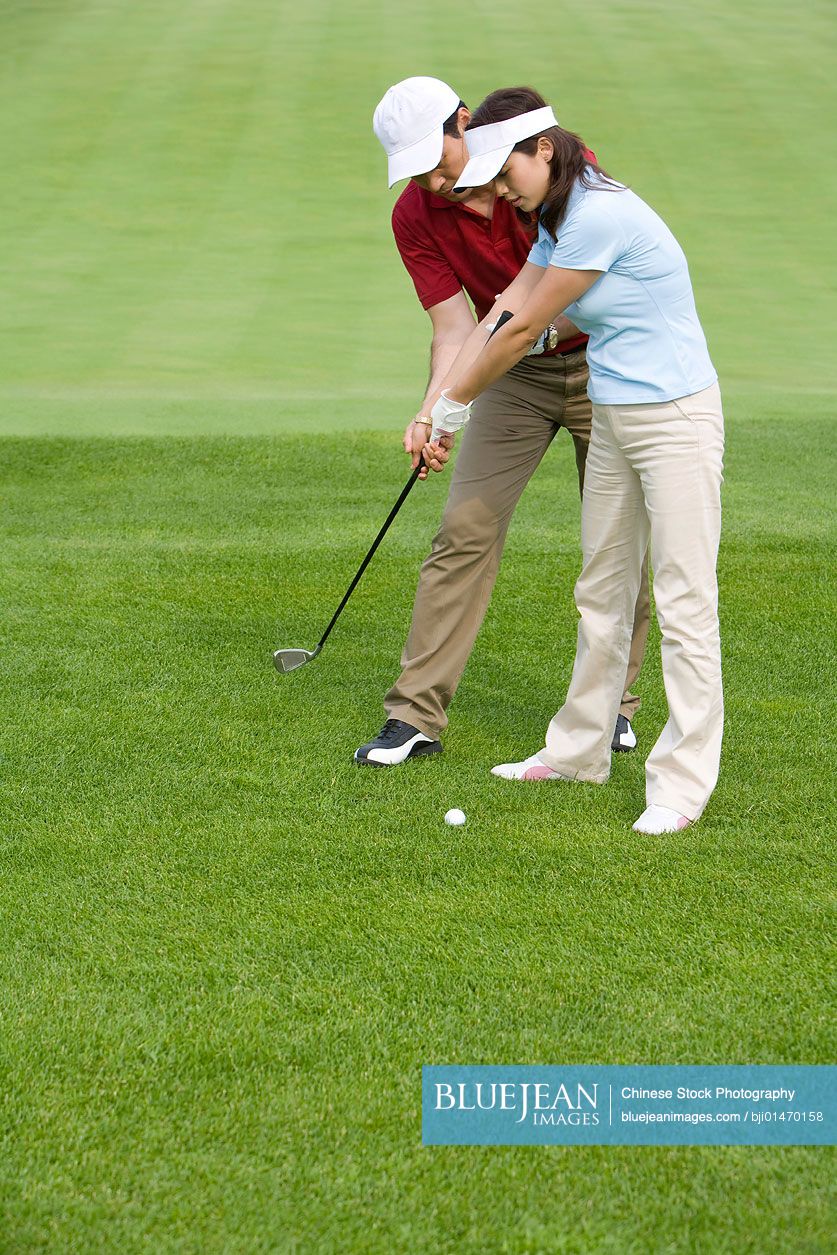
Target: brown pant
[(512, 425)]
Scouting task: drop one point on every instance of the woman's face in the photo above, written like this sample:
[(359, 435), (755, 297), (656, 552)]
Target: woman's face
[(524, 180)]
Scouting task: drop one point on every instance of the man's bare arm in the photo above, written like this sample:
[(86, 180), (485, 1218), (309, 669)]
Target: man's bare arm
[(453, 322)]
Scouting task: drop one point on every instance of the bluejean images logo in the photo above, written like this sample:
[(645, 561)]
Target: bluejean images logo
[(677, 1105), (539, 1101)]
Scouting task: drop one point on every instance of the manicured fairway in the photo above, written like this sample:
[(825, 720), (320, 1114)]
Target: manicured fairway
[(227, 951)]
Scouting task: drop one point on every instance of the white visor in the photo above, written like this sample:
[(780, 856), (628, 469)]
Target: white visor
[(489, 146)]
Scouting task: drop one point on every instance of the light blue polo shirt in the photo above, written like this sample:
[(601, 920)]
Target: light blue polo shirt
[(646, 343)]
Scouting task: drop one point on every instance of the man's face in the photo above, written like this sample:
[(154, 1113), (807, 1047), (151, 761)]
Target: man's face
[(453, 161)]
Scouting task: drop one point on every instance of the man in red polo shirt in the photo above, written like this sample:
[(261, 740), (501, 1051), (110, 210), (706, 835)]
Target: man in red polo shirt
[(454, 244)]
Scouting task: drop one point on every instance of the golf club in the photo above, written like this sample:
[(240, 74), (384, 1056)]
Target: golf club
[(290, 659)]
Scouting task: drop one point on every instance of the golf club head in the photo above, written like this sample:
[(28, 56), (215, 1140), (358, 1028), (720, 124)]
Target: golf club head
[(290, 659)]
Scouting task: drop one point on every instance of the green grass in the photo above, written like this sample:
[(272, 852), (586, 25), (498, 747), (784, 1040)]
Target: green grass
[(227, 953)]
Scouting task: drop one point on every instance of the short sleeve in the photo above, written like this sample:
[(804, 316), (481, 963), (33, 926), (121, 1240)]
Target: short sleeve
[(432, 276), (593, 239), (541, 250)]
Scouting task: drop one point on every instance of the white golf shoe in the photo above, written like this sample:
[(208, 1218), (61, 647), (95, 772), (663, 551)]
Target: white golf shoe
[(530, 769), (655, 820)]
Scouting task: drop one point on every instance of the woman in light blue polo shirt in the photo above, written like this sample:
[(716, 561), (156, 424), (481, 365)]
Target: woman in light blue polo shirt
[(605, 259)]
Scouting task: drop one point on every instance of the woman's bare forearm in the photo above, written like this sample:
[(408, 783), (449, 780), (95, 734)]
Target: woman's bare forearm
[(555, 290), (512, 299), (505, 350)]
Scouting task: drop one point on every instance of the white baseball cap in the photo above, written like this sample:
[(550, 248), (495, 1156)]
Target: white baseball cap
[(490, 145), (409, 121)]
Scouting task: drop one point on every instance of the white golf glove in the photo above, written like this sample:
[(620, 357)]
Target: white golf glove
[(448, 416)]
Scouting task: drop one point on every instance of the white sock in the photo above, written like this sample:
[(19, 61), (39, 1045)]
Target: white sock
[(657, 819)]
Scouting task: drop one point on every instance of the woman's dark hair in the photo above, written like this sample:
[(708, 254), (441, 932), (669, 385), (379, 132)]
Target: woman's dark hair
[(569, 161)]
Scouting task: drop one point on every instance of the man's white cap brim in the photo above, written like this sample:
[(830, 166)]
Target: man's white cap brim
[(490, 146), (419, 158)]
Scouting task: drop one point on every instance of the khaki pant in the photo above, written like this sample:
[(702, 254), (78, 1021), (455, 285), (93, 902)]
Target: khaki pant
[(512, 426), (651, 470)]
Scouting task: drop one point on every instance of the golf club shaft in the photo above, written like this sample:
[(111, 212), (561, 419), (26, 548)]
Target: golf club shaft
[(365, 563), (405, 491)]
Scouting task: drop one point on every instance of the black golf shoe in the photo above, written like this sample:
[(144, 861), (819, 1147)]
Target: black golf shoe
[(396, 742), (624, 737)]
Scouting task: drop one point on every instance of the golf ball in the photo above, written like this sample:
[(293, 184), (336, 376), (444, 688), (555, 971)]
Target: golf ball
[(455, 817)]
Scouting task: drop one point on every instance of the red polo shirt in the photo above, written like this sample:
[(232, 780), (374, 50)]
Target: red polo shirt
[(447, 246)]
